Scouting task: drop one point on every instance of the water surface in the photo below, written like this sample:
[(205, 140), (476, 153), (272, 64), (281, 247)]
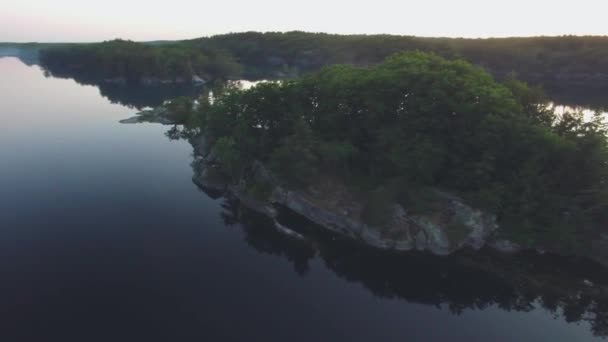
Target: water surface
[(104, 237)]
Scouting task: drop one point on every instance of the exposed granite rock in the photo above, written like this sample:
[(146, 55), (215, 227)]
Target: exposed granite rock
[(206, 176), (204, 165), (286, 231), (433, 238), (405, 232), (415, 232)]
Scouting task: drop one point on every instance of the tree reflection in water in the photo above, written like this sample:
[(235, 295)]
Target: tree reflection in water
[(465, 281), (133, 96)]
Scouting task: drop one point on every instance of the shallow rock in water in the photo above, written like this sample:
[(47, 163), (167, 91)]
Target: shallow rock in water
[(286, 231), (131, 120), (159, 115)]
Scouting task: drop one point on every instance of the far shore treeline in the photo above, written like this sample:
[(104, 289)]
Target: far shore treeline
[(540, 60)]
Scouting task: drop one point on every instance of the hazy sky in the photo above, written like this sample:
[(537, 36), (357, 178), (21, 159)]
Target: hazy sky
[(87, 20)]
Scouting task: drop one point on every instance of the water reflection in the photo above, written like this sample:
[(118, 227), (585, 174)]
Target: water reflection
[(134, 96), (590, 98), (27, 56), (588, 114), (466, 281)]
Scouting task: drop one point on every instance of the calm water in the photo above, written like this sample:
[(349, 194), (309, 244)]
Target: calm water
[(103, 237)]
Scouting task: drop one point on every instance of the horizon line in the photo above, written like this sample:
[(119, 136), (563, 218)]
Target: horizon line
[(311, 32)]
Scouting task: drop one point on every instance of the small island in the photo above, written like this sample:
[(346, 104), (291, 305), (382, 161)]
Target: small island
[(418, 152)]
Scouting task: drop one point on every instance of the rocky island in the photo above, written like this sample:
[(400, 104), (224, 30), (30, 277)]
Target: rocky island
[(419, 153)]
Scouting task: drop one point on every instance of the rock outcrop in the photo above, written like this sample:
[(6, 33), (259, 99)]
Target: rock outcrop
[(452, 227)]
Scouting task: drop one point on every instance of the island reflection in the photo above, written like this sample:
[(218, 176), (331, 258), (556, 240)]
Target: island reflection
[(132, 96), (571, 289)]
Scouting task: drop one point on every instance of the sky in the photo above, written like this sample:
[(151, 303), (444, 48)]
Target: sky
[(88, 20)]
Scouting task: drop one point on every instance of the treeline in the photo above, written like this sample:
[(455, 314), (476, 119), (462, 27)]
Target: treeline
[(566, 59), (135, 62), (418, 121)]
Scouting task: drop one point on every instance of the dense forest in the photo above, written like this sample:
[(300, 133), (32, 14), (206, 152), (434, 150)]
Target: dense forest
[(538, 59), (133, 62), (544, 60), (419, 121)]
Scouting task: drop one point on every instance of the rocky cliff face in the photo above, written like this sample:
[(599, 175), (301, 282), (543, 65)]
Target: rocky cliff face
[(405, 232), (453, 226)]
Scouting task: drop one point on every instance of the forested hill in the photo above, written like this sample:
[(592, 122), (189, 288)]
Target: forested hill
[(567, 59), (132, 62)]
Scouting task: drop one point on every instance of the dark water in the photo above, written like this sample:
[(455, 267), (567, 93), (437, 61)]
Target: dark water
[(103, 237)]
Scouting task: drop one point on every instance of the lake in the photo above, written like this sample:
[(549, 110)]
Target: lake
[(104, 237)]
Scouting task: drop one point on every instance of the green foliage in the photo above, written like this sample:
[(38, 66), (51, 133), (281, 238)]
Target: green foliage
[(539, 59), (378, 207), (259, 190), (229, 156), (181, 109), (336, 154), (294, 159), (456, 230), (419, 200), (138, 62), (544, 60)]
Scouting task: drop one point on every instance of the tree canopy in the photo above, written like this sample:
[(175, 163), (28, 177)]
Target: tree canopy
[(546, 60), (134, 62)]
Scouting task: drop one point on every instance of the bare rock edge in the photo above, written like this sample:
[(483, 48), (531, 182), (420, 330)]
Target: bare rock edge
[(416, 232)]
